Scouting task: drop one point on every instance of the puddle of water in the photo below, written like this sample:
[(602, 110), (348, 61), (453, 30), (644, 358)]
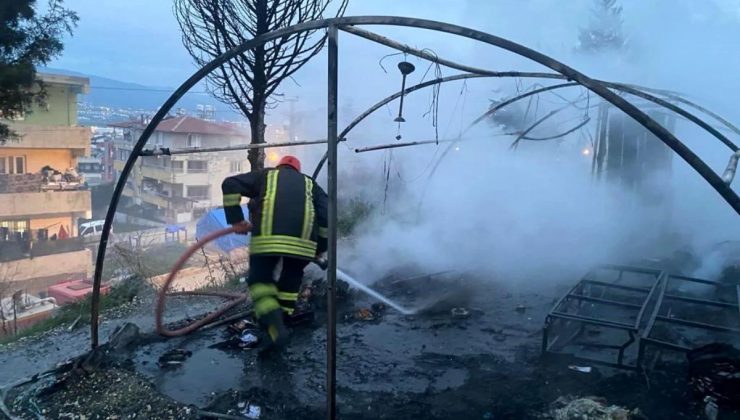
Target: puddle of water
[(206, 373), (450, 379)]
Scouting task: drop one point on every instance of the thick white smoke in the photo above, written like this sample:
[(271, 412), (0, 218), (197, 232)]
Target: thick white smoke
[(535, 213)]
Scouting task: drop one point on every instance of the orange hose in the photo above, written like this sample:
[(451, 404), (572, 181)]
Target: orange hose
[(236, 298)]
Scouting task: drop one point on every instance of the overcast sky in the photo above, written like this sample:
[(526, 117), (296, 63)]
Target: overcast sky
[(139, 40), (690, 46), (673, 44)]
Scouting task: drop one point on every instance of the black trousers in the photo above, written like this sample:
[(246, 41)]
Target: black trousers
[(261, 269)]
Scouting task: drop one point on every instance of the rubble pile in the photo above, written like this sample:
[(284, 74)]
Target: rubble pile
[(124, 391), (714, 374), (590, 408)]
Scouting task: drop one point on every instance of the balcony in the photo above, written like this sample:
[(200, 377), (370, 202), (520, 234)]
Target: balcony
[(35, 136), (161, 173), (16, 250), (173, 175), (31, 204), (155, 198), (164, 201)]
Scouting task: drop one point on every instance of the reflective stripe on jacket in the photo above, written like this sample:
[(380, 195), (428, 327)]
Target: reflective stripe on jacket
[(288, 211)]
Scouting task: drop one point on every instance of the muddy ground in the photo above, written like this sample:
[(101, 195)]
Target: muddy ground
[(427, 366)]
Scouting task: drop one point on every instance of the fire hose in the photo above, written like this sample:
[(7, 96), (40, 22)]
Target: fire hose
[(235, 299)]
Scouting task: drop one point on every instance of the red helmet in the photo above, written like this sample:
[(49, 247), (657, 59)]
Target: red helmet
[(291, 161)]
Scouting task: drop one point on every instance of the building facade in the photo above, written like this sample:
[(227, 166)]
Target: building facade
[(178, 189), (41, 195)]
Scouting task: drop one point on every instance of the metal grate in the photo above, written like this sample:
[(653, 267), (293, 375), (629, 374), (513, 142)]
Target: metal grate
[(690, 313), (599, 320)]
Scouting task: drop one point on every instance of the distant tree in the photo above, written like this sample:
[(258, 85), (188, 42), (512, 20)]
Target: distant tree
[(27, 39), (247, 82), (604, 31)]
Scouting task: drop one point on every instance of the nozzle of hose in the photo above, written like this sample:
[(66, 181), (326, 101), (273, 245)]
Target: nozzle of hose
[(322, 262)]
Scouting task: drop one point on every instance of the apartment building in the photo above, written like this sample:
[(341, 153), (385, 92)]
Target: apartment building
[(178, 189), (41, 196)]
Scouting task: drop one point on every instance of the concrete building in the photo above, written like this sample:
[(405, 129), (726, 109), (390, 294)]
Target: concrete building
[(41, 197), (178, 189)]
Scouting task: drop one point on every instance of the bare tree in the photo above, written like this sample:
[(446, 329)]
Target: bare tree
[(248, 82)]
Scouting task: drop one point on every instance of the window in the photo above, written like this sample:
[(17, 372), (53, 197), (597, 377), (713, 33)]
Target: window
[(177, 165), (197, 191), (193, 140), (14, 225), (12, 165), (123, 154), (236, 166), (197, 166), (158, 138), (89, 167)]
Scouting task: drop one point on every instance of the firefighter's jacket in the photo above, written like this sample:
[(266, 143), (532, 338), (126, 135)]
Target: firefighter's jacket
[(288, 211)]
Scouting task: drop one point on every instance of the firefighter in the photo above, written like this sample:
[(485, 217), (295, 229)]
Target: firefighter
[(288, 213)]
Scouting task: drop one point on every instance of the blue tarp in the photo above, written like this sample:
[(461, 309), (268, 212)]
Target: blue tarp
[(173, 228), (215, 220)]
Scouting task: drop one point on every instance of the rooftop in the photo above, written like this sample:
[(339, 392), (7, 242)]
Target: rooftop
[(185, 124), (79, 84)]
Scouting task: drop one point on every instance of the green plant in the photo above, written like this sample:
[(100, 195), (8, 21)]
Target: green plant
[(351, 214), (120, 294)]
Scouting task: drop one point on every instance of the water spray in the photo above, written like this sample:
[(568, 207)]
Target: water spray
[(323, 263), (370, 292)]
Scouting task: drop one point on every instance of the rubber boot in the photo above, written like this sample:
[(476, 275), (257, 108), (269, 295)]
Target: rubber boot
[(276, 333), (298, 318)]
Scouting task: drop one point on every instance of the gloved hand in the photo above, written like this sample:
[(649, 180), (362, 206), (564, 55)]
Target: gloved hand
[(242, 228), (322, 260)]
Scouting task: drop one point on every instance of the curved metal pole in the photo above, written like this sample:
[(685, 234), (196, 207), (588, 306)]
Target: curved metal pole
[(486, 114), (678, 110), (563, 134), (431, 57), (618, 86), (426, 84), (535, 125), (694, 105), (569, 73), (138, 147), (389, 99)]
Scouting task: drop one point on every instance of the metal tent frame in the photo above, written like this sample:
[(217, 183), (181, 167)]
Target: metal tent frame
[(678, 308), (348, 24), (644, 307), (616, 308)]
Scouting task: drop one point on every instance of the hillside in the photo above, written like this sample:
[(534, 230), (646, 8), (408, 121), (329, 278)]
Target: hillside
[(115, 94)]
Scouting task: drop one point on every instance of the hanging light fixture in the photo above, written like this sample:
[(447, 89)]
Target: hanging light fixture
[(406, 68)]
